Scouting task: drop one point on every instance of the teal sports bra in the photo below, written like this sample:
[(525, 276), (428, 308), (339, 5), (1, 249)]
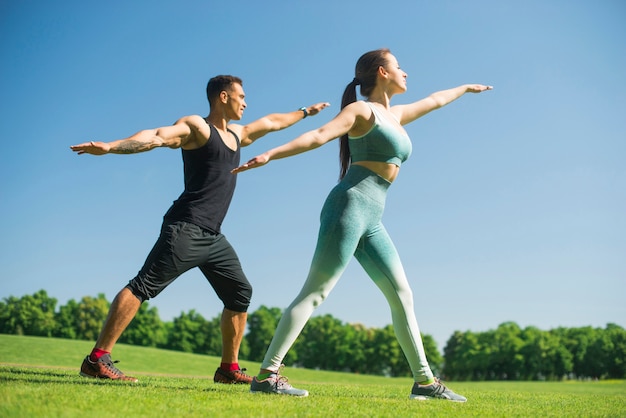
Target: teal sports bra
[(382, 143)]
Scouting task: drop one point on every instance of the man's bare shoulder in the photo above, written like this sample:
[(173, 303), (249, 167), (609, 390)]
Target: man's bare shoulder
[(193, 121), (198, 128)]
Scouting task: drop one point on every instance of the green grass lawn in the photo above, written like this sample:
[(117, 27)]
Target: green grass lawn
[(39, 378)]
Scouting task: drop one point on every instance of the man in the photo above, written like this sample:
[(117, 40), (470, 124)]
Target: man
[(191, 231)]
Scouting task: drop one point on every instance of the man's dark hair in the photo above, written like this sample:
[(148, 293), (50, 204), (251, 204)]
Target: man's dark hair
[(218, 84)]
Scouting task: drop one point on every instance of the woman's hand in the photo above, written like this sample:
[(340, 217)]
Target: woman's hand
[(477, 88), (258, 161)]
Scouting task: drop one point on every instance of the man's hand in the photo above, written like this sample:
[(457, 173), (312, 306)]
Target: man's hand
[(93, 148), (316, 108)]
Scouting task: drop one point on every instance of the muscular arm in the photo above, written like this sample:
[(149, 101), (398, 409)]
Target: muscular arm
[(174, 136), (275, 122), (410, 112)]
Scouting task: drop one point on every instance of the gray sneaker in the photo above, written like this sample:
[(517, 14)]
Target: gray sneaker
[(276, 384), (436, 390)]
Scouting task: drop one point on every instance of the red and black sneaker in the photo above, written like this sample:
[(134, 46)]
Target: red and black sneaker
[(232, 377), (103, 369)]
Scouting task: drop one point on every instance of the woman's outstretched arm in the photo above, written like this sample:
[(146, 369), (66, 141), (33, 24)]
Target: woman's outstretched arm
[(338, 126), (410, 112)]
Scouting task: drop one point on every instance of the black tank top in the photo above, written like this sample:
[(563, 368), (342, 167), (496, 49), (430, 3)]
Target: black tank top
[(209, 184)]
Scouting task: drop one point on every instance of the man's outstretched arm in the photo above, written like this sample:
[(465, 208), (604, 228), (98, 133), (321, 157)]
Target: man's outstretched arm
[(277, 121), (174, 136)]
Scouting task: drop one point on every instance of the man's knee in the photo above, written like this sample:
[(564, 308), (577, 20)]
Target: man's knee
[(241, 300), (137, 293)]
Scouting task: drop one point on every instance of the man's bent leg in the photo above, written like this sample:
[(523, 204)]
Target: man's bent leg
[(223, 271), (233, 326), (122, 311)]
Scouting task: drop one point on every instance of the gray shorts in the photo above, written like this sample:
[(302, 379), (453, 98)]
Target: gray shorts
[(183, 246)]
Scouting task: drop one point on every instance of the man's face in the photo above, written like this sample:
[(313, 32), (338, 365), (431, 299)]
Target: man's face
[(235, 103)]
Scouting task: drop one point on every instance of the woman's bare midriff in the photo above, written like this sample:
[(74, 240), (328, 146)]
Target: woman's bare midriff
[(387, 171)]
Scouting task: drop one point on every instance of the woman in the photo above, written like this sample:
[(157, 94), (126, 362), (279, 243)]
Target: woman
[(373, 146)]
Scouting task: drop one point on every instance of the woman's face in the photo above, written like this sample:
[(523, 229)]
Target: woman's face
[(395, 75)]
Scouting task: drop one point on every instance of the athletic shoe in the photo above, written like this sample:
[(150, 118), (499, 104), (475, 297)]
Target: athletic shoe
[(276, 384), (233, 376), (436, 390), (103, 369)]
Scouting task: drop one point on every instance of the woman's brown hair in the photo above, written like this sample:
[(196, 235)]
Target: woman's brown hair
[(365, 74)]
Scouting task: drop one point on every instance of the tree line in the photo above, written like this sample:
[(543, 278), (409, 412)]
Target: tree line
[(506, 353)]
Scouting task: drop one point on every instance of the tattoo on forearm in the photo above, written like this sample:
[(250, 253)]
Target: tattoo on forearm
[(130, 147)]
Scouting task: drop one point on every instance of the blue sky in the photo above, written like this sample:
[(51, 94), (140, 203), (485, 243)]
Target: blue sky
[(511, 207)]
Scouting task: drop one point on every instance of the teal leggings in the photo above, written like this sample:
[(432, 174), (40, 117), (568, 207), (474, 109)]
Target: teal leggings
[(351, 225)]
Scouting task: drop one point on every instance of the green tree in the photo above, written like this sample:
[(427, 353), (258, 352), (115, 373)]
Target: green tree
[(435, 359), (482, 358), (186, 333), (29, 315), (505, 360), (319, 346), (545, 356), (465, 357), (353, 356), (577, 342), (369, 363), (387, 353), (90, 315), (212, 336), (11, 317), (261, 327), (348, 349), (146, 329), (597, 358), (66, 321), (562, 359), (616, 367)]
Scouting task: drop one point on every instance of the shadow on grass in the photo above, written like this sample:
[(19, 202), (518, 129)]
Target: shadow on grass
[(32, 375)]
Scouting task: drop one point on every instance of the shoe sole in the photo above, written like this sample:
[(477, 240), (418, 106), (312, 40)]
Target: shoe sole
[(107, 378), (232, 382), (278, 393), (429, 398), (226, 380)]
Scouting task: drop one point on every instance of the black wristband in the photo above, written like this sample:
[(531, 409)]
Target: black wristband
[(306, 113)]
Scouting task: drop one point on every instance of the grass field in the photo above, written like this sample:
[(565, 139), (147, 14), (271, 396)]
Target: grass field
[(39, 378)]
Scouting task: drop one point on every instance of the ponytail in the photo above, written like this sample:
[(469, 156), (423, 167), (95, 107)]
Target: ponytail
[(349, 96), (366, 74)]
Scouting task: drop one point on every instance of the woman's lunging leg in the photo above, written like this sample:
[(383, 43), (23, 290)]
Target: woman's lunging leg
[(335, 248), (381, 261), (295, 317)]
